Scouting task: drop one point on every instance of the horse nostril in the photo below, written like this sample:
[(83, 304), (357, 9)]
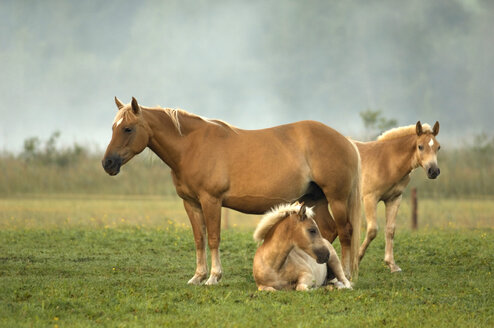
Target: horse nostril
[(438, 171), (322, 256), (108, 162)]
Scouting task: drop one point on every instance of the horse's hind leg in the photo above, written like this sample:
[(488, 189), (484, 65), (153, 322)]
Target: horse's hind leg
[(335, 265), (391, 211), (211, 209), (323, 218), (345, 230), (199, 229)]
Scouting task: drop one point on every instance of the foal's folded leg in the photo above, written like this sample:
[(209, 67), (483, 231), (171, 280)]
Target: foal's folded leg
[(266, 288), (335, 265), (305, 281)]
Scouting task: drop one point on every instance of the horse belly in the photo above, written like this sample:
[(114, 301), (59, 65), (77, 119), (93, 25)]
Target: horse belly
[(319, 271), (257, 190), (257, 197)]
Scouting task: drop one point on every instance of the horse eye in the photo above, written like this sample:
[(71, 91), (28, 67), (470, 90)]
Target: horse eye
[(438, 147), (421, 147), (127, 130), (312, 231)]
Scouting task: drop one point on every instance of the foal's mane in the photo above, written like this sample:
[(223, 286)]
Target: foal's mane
[(277, 214), (403, 131)]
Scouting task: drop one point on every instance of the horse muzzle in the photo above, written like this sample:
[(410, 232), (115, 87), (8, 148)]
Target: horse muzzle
[(322, 255), (433, 172), (112, 164)]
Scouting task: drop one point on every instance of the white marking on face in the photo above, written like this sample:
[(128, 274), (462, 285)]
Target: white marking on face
[(119, 121), (431, 143)]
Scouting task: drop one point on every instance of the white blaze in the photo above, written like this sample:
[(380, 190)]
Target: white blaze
[(431, 143), (119, 121)]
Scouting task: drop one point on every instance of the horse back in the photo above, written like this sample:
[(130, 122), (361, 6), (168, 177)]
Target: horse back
[(253, 170)]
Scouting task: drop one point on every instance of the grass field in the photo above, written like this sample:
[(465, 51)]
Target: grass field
[(82, 261), (100, 211)]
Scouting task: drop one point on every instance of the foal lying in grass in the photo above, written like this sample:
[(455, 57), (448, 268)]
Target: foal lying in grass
[(293, 254)]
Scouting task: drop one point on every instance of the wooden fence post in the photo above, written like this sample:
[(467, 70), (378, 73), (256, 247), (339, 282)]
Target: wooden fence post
[(414, 209)]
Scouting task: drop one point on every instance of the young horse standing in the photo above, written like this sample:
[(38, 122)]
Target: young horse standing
[(214, 164), (293, 254), (386, 167)]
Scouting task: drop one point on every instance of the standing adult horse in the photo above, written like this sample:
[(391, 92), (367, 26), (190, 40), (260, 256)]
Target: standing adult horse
[(386, 167), (214, 164)]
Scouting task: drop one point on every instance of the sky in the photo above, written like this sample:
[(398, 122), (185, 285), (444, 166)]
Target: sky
[(254, 64)]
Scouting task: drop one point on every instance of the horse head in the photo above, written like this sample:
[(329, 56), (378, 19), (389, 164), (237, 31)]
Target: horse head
[(306, 235), (131, 134), (426, 149)]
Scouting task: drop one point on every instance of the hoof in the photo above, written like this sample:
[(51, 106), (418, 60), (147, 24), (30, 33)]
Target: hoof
[(397, 269), (341, 285), (196, 280), (213, 280)]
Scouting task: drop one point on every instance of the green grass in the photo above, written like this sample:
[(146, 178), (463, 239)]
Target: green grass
[(137, 277), (85, 260)]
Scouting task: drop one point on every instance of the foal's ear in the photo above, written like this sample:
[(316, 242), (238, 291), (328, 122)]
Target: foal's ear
[(418, 128), (302, 212), (118, 103), (435, 129), (135, 106)]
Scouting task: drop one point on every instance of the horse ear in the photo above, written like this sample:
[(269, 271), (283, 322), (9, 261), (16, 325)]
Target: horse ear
[(435, 129), (135, 106), (302, 212), (418, 128), (118, 103)]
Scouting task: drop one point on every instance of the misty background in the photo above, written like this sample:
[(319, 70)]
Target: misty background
[(254, 64)]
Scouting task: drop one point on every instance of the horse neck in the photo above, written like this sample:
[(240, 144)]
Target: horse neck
[(277, 245), (166, 141), (399, 151)]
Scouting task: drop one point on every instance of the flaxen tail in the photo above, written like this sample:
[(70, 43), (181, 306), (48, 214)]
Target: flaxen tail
[(354, 208)]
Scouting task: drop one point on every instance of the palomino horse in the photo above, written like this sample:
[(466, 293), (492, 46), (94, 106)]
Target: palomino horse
[(293, 254), (214, 164), (386, 167)]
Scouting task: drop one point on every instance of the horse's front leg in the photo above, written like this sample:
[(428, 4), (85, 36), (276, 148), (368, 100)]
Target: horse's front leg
[(370, 204), (392, 207), (211, 209), (335, 265), (199, 230)]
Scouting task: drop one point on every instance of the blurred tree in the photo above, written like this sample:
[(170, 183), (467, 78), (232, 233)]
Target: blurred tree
[(50, 154), (31, 148), (375, 124)]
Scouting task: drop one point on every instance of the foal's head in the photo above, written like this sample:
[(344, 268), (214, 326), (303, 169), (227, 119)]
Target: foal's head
[(299, 229), (427, 148), (130, 136), (306, 235)]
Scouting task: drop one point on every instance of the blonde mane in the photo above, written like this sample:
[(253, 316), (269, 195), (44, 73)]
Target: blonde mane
[(277, 214), (403, 131), (173, 114)]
